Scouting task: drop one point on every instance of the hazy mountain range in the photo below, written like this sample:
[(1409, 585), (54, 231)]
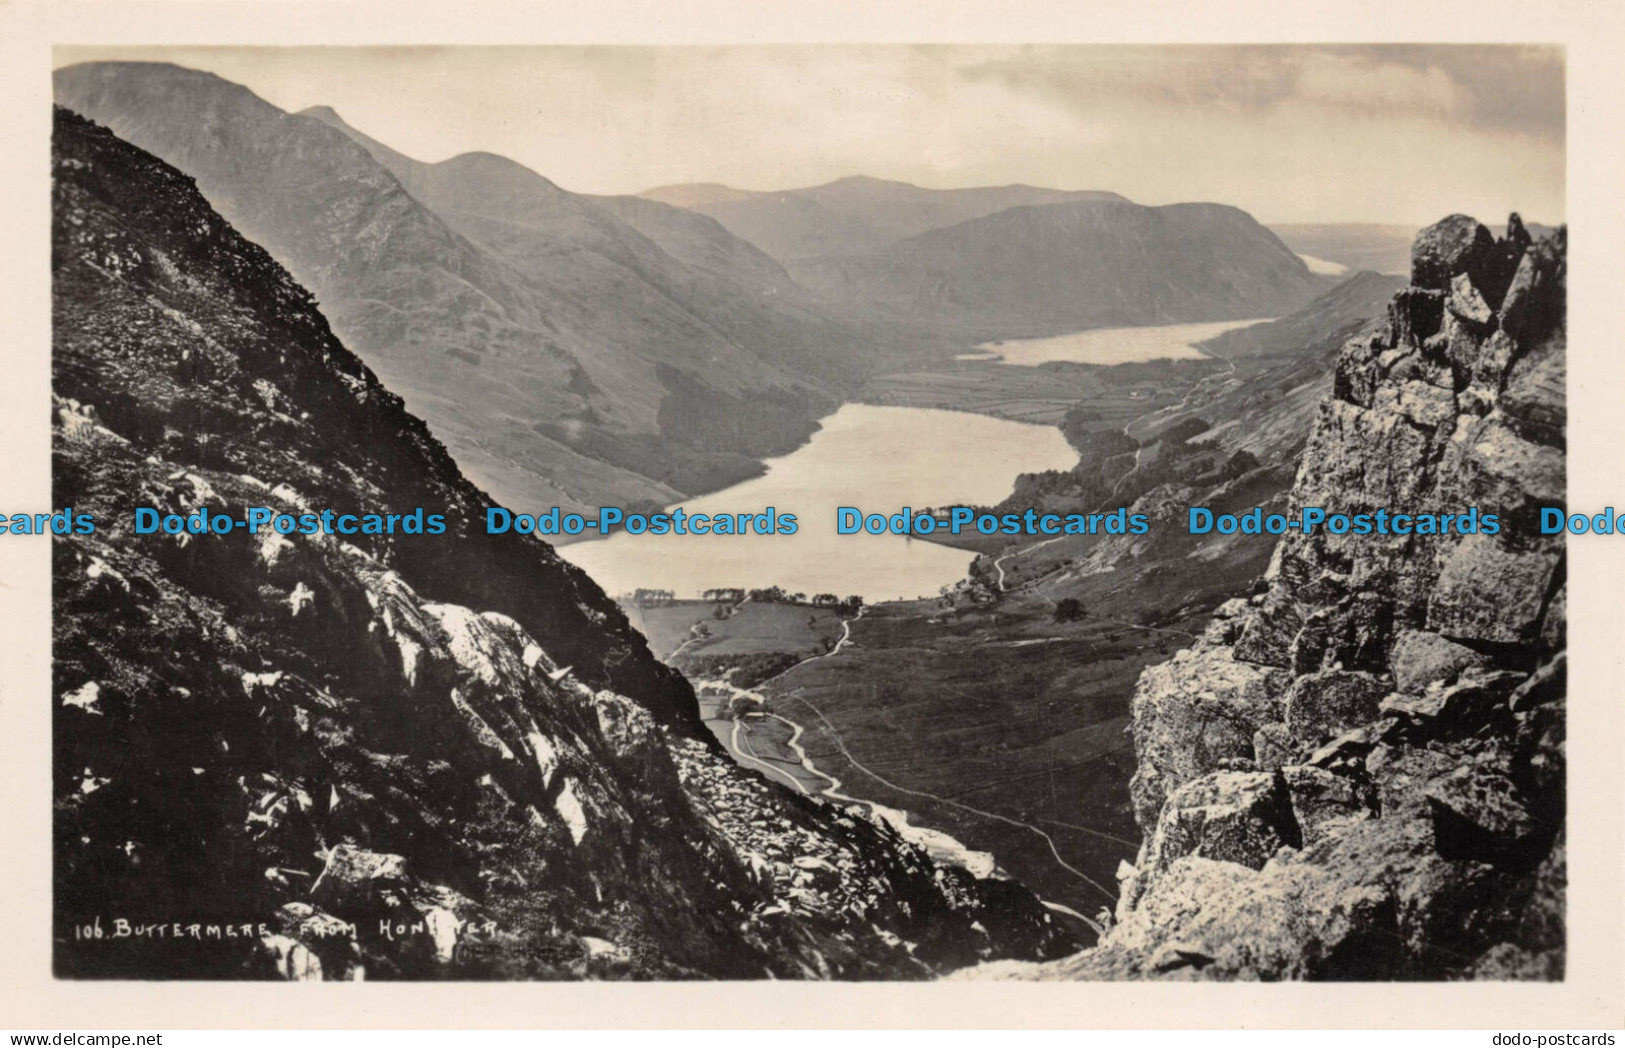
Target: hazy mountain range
[(583, 350), (852, 215), (1053, 268)]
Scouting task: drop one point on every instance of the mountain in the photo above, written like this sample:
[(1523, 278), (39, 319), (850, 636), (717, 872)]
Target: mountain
[(565, 356), (695, 194), (852, 215), (1358, 772), (1055, 268), (1334, 316), (384, 755)]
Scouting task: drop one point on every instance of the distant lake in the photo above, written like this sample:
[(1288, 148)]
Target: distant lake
[(1109, 345), (878, 459)]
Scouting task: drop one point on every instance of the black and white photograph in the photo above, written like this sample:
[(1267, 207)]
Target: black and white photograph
[(980, 513), (420, 740)]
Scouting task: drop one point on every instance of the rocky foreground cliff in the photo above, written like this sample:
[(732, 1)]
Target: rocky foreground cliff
[(1358, 772), (383, 756)]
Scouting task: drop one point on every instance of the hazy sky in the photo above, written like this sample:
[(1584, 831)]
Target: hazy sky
[(1377, 134)]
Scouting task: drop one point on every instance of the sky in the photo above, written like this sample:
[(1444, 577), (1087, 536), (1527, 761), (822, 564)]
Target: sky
[(1389, 134)]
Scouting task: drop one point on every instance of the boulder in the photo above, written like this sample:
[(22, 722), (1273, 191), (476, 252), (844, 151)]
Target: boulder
[(1478, 814), (1190, 713), (1319, 797), (355, 879), (1416, 315), (1400, 775), (1549, 683), (1489, 591), (1329, 703), (1349, 751), (1239, 817), (1420, 657), (1272, 747), (1467, 304), (1455, 244), (1533, 401)]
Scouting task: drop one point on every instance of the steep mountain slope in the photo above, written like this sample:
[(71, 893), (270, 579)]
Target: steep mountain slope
[(852, 215), (1337, 314), (700, 241), (580, 251), (394, 755), (1046, 270), (1359, 772), (564, 356)]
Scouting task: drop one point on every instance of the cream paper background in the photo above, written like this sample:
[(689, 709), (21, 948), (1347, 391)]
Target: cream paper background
[(1593, 996)]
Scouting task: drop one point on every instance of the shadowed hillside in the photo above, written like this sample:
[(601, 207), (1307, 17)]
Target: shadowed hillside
[(288, 742)]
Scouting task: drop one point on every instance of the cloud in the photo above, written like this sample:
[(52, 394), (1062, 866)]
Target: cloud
[(1291, 133), (1490, 88)]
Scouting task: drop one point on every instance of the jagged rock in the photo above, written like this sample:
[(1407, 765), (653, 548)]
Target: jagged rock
[(1533, 402), (1350, 749), (1319, 797), (1538, 761), (1456, 244), (1490, 464), (1549, 683), (1190, 713), (1227, 623), (1400, 773), (1425, 777), (1460, 707), (1357, 372), (1328, 703), (291, 960), (1489, 591), (1420, 402), (1420, 657), (354, 879), (1415, 316), (1356, 633), (1240, 817), (1478, 814), (1466, 303), (1554, 629), (1516, 306), (1272, 747)]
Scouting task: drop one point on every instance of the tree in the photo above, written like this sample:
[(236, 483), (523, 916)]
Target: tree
[(1068, 609)]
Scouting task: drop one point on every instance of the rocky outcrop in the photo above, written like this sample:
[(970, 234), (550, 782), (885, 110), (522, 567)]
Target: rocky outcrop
[(395, 755), (1358, 773)]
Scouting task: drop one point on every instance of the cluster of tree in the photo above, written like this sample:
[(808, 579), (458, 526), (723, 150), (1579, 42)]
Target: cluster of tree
[(652, 598), (777, 595)]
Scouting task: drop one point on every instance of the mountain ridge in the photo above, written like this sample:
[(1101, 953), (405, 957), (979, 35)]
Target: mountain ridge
[(535, 351), (1049, 269), (854, 214), (306, 738)]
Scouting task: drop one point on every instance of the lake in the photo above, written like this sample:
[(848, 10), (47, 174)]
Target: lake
[(878, 459), (1109, 345)]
